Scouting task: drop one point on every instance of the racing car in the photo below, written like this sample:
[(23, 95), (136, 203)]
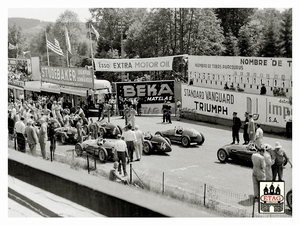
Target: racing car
[(109, 130), (101, 148), (240, 153), (157, 143), (186, 136), (67, 135)]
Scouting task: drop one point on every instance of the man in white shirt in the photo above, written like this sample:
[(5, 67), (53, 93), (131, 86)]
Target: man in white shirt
[(20, 131), (130, 139), (121, 149), (258, 136)]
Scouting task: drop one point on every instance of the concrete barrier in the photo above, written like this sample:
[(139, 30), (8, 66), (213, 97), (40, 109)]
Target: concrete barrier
[(103, 196)]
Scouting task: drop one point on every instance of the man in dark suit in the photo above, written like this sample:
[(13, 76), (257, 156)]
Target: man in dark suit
[(236, 125), (32, 138)]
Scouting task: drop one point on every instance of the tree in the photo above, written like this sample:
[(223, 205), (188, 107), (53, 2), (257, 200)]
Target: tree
[(286, 34), (232, 19), (231, 45), (15, 38)]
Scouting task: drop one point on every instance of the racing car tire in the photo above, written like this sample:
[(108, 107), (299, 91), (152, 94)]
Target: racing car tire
[(101, 132), (185, 141), (78, 149), (147, 147), (203, 139), (289, 199), (222, 155), (102, 154), (63, 139), (120, 129)]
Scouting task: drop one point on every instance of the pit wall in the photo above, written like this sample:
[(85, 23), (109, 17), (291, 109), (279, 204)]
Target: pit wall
[(217, 106), (103, 196)]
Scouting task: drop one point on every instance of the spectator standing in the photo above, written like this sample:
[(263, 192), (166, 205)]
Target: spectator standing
[(121, 147), (139, 106), (245, 134), (43, 138), (280, 156), (236, 125), (20, 132), (32, 138), (79, 130), (130, 139), (11, 126), (258, 136), (263, 90), (288, 126), (251, 129), (178, 111), (165, 111), (94, 129), (169, 112), (121, 107), (126, 113), (131, 116), (100, 110), (269, 161), (139, 143), (259, 170)]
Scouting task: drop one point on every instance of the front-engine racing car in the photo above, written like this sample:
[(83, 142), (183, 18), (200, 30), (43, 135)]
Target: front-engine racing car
[(240, 153), (185, 136), (101, 148), (156, 143)]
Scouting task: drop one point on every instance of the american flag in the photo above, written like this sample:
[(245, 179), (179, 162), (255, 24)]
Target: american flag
[(54, 47)]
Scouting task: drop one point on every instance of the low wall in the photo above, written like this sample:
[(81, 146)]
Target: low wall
[(103, 196)]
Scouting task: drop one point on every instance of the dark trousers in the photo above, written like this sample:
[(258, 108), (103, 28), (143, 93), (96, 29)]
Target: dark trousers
[(130, 148), (246, 136), (52, 144), (21, 142), (100, 114), (235, 134), (122, 161), (165, 117), (289, 127), (277, 169), (168, 118)]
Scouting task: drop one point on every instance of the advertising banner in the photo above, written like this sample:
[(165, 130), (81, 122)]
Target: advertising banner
[(218, 103), (127, 65), (66, 76), (148, 92)]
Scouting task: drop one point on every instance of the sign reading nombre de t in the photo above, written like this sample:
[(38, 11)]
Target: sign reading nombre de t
[(66, 76)]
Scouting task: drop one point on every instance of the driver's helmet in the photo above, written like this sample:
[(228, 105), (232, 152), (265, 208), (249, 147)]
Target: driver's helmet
[(148, 135), (251, 146), (179, 129), (100, 141)]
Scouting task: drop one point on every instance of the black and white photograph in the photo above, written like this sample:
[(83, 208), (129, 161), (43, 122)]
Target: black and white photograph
[(161, 110)]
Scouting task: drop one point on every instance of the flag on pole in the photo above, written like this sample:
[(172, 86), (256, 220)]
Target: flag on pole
[(54, 47), (95, 31), (11, 46), (68, 40)]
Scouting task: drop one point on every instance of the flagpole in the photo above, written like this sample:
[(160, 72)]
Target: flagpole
[(47, 49), (92, 54)]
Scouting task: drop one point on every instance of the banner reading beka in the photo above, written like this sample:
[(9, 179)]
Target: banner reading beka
[(125, 65), (66, 76)]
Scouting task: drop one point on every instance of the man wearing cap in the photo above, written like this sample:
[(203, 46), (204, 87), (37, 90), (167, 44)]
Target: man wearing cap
[(258, 173), (236, 124), (121, 148), (245, 134), (280, 157), (43, 138), (32, 138), (269, 161), (20, 131)]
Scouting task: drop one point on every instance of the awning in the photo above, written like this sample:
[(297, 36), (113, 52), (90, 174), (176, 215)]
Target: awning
[(102, 84), (52, 88), (33, 86), (15, 87), (74, 91)]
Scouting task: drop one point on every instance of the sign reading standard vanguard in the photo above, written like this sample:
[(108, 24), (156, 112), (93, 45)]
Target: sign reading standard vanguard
[(148, 92), (66, 76)]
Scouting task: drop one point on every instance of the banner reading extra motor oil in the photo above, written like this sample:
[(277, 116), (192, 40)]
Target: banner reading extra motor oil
[(150, 92)]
